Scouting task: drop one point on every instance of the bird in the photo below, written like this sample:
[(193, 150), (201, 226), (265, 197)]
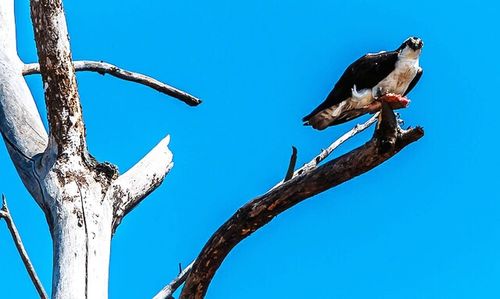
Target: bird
[(387, 75)]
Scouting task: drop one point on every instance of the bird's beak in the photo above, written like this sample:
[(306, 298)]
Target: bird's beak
[(420, 44)]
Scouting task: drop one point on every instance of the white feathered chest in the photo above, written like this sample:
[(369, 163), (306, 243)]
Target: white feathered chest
[(400, 78)]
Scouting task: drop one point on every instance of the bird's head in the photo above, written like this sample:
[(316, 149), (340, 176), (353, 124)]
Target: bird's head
[(411, 47)]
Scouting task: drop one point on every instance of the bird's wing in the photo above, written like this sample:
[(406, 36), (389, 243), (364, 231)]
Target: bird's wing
[(365, 72), (414, 81)]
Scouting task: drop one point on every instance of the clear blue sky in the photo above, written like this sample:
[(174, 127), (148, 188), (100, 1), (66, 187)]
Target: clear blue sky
[(426, 224)]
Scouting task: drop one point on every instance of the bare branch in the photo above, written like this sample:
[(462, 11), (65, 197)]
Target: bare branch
[(169, 289), (139, 181), (291, 165), (263, 209), (326, 152), (107, 68), (5, 214)]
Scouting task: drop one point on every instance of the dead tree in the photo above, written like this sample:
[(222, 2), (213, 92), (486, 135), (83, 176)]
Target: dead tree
[(85, 200)]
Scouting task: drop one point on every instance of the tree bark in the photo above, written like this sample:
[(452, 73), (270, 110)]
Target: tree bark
[(73, 188), (20, 123), (387, 141), (83, 200)]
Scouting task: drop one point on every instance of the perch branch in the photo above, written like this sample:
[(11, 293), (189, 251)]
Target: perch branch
[(139, 181), (261, 210), (107, 68), (5, 214), (326, 152), (169, 289), (58, 74)]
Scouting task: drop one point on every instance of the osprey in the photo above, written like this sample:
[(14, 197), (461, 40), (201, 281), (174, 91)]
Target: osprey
[(391, 74)]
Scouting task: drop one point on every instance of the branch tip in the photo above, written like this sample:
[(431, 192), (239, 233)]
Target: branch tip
[(4, 203), (166, 140), (291, 165), (129, 189)]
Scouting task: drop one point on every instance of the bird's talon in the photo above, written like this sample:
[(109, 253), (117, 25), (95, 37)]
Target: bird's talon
[(396, 101)]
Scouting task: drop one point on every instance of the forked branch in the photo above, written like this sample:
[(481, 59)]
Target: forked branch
[(107, 68), (261, 210), (139, 181), (5, 214), (325, 152)]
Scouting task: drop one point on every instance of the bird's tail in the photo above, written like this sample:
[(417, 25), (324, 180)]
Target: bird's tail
[(324, 118)]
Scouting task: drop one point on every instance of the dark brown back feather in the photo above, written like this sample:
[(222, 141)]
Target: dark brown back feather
[(366, 72)]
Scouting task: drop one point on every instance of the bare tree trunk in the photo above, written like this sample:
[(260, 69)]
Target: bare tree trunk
[(81, 234), (73, 187), (84, 201)]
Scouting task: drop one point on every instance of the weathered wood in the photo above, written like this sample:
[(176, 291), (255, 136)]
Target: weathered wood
[(73, 190), (138, 182), (263, 209), (68, 184), (107, 68), (58, 75), (20, 123), (7, 30)]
